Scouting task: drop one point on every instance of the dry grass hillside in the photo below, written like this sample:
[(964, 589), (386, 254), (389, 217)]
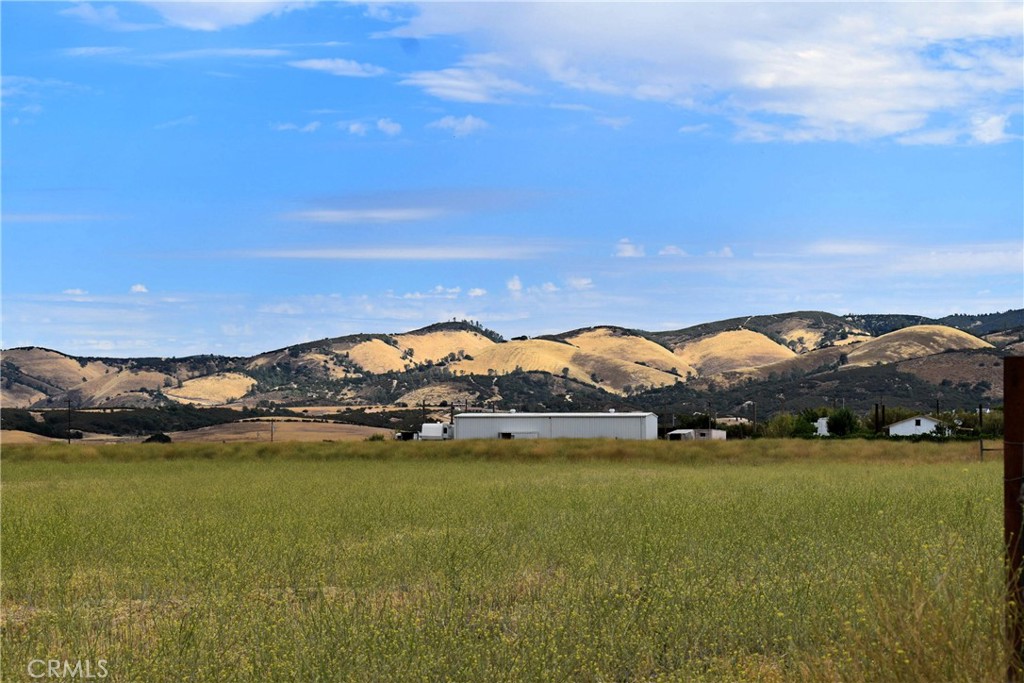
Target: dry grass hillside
[(914, 342), (731, 351), (378, 356), (437, 393), (612, 374), (604, 341), (434, 346), (212, 390)]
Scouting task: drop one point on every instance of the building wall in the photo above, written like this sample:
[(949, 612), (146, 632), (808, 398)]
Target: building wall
[(637, 426), (909, 427)]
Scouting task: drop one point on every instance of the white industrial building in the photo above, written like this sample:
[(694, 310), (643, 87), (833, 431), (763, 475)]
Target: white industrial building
[(912, 426), (634, 426)]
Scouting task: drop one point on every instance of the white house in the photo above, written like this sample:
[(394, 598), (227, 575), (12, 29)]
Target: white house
[(912, 426)]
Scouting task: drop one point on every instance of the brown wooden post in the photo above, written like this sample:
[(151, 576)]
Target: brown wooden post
[(1013, 479)]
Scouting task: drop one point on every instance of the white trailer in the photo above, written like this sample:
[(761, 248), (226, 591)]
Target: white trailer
[(634, 426), (435, 431)]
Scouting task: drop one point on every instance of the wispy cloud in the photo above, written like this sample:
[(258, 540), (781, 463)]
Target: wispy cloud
[(389, 127), (476, 292), (189, 120), (371, 215), (460, 127), (54, 217), (139, 288), (627, 249), (310, 127), (215, 16), (671, 250), (340, 67), (95, 51), (106, 17), (850, 72), (497, 252), (471, 81), (220, 52)]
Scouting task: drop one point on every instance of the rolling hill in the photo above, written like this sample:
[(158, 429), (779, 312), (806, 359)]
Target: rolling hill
[(812, 353)]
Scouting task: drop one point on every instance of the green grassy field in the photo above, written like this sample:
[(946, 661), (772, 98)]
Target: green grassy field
[(543, 561)]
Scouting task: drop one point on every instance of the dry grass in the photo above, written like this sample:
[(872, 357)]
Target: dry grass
[(606, 342), (377, 356), (212, 389), (434, 346), (914, 342), (505, 561), (729, 351), (613, 373)]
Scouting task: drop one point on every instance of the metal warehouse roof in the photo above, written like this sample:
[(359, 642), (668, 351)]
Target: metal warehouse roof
[(483, 415)]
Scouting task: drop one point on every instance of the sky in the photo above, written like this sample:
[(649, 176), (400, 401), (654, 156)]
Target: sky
[(185, 177)]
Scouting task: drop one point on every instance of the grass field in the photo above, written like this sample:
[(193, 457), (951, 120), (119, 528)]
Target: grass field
[(514, 561)]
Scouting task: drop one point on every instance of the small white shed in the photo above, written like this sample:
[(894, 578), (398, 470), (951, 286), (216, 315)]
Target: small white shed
[(822, 426), (912, 426), (696, 435)]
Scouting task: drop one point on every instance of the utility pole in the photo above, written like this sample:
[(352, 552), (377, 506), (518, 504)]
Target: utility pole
[(69, 420), (1013, 488)]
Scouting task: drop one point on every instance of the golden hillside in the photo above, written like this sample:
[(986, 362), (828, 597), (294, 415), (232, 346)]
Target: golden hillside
[(604, 341), (213, 389), (55, 369), (729, 351), (914, 342), (435, 346), (612, 374), (378, 356)]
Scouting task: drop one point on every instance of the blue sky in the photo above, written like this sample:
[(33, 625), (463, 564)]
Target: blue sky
[(188, 177)]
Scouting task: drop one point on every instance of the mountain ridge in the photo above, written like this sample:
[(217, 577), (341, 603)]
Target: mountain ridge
[(618, 364)]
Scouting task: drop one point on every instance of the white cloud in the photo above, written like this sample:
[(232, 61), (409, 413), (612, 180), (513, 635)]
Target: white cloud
[(95, 51), (989, 129), (508, 252), (460, 127), (514, 286), (627, 249), (389, 127), (671, 250), (281, 309), (549, 288), (199, 15), (356, 128), (139, 289), (438, 292), (724, 252), (218, 52), (697, 128), (190, 120), (579, 284), (340, 67), (75, 292), (106, 17), (373, 215), (476, 292), (466, 83), (779, 71), (615, 123), (310, 127), (844, 248)]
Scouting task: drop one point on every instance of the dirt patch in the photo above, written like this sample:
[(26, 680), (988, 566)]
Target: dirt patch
[(283, 430)]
